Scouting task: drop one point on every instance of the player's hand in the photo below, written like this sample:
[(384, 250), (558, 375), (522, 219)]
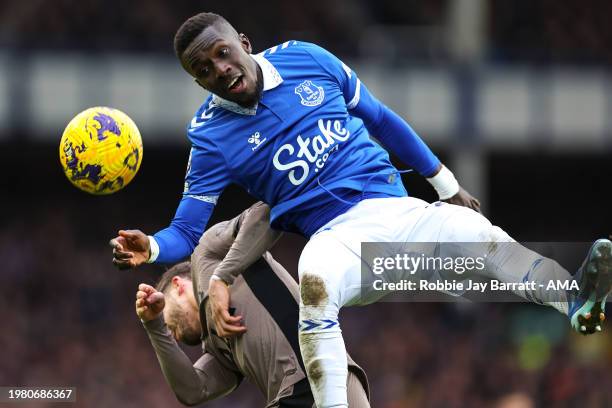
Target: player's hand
[(149, 302), (219, 298), (130, 249), (464, 199)]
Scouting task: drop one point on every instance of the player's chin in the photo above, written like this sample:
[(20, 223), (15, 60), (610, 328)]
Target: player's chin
[(245, 98)]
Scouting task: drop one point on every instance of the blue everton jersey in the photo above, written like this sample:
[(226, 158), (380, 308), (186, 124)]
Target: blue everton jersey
[(305, 149)]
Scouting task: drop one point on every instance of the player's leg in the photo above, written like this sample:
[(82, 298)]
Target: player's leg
[(506, 260), (324, 272), (330, 277), (411, 220), (357, 395), (511, 262)]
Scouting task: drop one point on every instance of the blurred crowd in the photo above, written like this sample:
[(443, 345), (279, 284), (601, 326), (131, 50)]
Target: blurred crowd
[(549, 31), (571, 31), (68, 320)]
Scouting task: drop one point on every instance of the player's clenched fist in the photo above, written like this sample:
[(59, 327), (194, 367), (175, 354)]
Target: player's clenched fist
[(130, 249), (149, 302)]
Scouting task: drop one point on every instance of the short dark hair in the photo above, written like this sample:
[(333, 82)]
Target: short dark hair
[(182, 269), (191, 28)]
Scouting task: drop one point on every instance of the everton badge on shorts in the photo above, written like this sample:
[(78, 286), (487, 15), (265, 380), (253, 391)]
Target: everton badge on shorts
[(309, 93)]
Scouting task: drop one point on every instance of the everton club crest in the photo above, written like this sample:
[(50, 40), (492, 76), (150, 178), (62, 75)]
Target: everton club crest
[(309, 93)]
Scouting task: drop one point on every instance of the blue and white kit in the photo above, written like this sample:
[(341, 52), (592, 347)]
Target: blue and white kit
[(305, 150)]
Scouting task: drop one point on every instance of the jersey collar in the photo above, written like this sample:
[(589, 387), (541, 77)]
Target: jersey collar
[(271, 79)]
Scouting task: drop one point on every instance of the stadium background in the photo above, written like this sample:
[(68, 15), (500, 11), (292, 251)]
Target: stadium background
[(514, 96)]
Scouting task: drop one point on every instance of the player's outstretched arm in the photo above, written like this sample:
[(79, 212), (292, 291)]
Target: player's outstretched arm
[(397, 136), (193, 384), (131, 248)]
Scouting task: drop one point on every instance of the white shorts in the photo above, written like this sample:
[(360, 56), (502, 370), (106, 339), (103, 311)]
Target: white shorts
[(333, 253)]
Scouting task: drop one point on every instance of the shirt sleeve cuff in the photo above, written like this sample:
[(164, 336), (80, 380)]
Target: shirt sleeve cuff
[(154, 249), (156, 324)]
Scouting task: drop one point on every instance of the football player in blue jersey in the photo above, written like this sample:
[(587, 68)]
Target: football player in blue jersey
[(292, 125)]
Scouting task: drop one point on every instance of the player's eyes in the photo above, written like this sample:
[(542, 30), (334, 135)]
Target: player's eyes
[(204, 71), (224, 52)]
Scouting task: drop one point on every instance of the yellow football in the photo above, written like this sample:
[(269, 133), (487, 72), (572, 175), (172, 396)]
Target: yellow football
[(101, 150)]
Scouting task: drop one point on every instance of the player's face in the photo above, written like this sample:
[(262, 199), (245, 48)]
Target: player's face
[(219, 60), (182, 319)]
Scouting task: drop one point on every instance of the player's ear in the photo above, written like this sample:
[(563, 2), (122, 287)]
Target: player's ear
[(246, 43), (177, 284)]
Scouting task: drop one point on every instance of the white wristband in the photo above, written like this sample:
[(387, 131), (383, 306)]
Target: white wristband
[(154, 249), (445, 183)]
